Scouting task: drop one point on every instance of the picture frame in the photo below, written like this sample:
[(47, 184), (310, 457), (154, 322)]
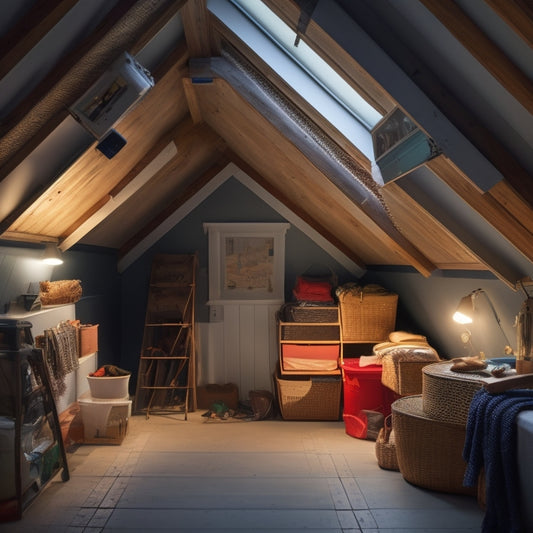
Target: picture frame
[(246, 262)]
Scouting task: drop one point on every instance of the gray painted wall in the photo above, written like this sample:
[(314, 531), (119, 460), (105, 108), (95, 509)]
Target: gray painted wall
[(117, 302)]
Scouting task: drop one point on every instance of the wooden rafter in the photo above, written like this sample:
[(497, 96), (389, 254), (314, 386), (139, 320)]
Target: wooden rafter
[(458, 114), (196, 24), (43, 110), (483, 49), (32, 27), (518, 14)]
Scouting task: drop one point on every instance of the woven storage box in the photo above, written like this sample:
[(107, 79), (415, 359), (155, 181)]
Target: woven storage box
[(446, 394), (367, 316), (429, 452), (316, 332), (309, 313), (88, 335), (403, 377), (314, 398)]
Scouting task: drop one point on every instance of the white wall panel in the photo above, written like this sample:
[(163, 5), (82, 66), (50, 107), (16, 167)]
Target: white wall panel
[(242, 349)]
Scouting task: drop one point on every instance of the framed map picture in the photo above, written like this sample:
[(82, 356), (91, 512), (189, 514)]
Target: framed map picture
[(246, 261)]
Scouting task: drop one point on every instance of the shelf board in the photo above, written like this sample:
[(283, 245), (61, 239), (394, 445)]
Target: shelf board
[(336, 372)]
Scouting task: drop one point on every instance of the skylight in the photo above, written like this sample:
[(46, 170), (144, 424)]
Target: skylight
[(302, 68), (314, 65)]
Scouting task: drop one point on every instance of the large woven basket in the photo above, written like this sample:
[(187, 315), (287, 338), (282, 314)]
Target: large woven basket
[(367, 316), (429, 452), (312, 398), (446, 394)]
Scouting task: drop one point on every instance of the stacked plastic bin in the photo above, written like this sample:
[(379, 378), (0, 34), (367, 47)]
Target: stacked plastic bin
[(106, 409)]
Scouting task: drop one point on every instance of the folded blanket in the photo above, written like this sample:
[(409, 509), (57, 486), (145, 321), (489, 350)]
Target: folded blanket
[(491, 443)]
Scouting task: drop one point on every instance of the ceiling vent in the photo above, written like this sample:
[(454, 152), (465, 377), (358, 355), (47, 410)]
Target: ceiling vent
[(112, 96), (400, 146)]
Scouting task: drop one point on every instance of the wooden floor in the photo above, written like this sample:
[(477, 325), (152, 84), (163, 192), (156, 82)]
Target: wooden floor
[(239, 476)]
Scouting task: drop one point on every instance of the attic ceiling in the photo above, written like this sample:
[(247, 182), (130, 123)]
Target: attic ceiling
[(461, 70)]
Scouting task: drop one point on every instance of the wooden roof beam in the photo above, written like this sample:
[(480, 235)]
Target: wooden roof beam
[(485, 205), (457, 22), (47, 106), (29, 30), (519, 16)]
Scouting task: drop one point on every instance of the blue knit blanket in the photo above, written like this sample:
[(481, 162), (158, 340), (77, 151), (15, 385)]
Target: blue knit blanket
[(491, 443)]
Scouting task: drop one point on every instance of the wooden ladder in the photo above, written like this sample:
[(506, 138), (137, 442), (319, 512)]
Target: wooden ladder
[(166, 380)]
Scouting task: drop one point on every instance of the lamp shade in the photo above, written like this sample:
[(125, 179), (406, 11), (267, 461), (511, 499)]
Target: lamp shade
[(51, 255), (465, 310)]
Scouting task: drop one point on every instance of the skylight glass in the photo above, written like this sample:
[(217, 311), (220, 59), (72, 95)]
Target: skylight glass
[(314, 80), (313, 64)]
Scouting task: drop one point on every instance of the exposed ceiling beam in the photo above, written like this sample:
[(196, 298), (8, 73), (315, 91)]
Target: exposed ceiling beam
[(158, 164), (89, 159), (47, 106), (519, 16), (484, 204), (483, 49), (197, 30), (460, 118), (30, 29)]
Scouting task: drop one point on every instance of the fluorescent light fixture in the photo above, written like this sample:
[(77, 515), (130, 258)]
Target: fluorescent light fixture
[(51, 255)]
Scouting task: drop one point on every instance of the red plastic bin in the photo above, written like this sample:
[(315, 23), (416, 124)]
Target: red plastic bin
[(363, 390)]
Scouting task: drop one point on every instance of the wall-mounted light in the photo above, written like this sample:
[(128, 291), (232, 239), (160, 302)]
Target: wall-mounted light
[(51, 255)]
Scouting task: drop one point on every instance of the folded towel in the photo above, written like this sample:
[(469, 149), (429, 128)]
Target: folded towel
[(490, 443)]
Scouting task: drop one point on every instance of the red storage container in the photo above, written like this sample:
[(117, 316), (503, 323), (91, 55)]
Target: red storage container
[(363, 390), (310, 357)]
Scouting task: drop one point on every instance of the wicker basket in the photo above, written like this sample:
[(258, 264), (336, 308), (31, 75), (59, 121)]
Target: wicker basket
[(447, 394), (367, 316), (312, 398), (386, 446), (309, 313), (403, 377), (302, 332), (429, 452)]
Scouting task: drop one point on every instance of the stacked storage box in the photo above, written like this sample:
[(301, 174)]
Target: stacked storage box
[(308, 383), (106, 410)]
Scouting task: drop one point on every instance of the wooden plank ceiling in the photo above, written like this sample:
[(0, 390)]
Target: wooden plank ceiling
[(183, 132)]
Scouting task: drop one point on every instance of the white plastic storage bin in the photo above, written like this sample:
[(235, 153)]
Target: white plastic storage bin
[(105, 421), (109, 387)]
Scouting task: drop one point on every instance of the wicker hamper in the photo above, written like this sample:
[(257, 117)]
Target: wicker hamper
[(446, 394), (403, 377), (429, 451), (309, 398), (367, 316)]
